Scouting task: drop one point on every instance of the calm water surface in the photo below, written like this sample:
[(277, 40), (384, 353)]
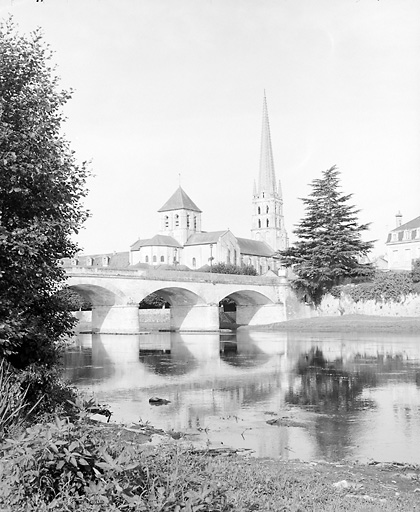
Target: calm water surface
[(336, 395)]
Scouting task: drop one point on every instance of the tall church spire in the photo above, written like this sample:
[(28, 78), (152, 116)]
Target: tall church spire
[(267, 175), (267, 202)]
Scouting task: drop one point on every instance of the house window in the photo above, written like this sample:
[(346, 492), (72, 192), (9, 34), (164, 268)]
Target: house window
[(394, 237), (74, 262), (188, 221), (176, 220), (194, 262), (234, 256), (166, 221), (154, 259), (195, 222), (105, 261), (268, 222), (259, 223), (89, 262), (146, 259), (228, 256), (259, 211), (162, 259), (267, 209)]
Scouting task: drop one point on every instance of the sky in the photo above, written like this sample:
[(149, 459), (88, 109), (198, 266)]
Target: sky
[(170, 92)]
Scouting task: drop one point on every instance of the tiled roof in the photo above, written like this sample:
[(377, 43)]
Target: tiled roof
[(157, 240), (204, 238), (254, 247), (179, 201), (115, 260), (412, 224)]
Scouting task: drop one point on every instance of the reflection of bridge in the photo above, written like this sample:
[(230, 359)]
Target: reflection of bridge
[(193, 296)]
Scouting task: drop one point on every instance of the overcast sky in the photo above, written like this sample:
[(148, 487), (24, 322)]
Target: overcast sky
[(164, 88)]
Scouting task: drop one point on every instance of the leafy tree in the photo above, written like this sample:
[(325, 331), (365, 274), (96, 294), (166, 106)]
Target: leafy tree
[(415, 271), (329, 243), (74, 301), (229, 268), (41, 190), (154, 301)]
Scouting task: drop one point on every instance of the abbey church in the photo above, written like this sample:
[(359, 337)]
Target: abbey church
[(181, 243)]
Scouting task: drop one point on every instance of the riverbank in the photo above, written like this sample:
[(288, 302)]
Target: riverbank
[(349, 323), (98, 467), (225, 480)]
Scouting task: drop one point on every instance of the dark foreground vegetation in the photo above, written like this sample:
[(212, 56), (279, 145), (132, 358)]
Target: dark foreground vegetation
[(72, 463)]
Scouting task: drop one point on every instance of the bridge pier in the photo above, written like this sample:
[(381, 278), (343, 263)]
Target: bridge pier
[(121, 319), (201, 317), (254, 314)]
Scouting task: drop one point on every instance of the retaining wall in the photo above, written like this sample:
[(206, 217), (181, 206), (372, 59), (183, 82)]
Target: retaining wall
[(330, 306)]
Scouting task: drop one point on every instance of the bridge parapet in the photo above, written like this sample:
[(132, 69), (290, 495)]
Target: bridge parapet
[(178, 275)]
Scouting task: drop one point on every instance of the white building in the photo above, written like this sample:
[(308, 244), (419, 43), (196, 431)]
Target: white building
[(403, 244)]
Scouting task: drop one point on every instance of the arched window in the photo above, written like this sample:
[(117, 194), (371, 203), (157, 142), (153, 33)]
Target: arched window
[(267, 209), (146, 259), (188, 221), (154, 259), (268, 222), (259, 211), (166, 221), (259, 223), (194, 262), (162, 259), (176, 220)]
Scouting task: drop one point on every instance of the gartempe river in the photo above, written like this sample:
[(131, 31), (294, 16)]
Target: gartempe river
[(308, 396)]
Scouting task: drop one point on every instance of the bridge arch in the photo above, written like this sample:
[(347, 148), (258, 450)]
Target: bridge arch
[(177, 296), (252, 308), (247, 297), (99, 295)]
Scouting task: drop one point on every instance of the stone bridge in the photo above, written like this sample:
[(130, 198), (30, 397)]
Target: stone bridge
[(193, 296)]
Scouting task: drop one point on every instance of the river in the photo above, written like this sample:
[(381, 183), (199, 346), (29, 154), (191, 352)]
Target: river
[(310, 396)]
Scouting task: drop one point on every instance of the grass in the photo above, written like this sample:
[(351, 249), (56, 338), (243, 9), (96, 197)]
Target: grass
[(350, 323), (136, 476)]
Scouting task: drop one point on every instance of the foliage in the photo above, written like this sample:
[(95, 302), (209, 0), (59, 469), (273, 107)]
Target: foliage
[(62, 460), (12, 399), (74, 301), (40, 200), (45, 391), (329, 240), (75, 465), (229, 268), (415, 271), (385, 286), (153, 301)]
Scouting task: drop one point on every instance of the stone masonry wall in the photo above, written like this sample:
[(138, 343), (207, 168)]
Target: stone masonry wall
[(330, 306)]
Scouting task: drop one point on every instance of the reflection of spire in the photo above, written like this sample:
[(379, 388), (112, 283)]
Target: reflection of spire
[(267, 176)]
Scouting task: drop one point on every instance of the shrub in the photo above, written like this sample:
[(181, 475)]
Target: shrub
[(386, 286), (12, 399), (229, 268), (415, 271), (65, 463)]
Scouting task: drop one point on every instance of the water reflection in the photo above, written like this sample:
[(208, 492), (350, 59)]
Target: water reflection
[(337, 395)]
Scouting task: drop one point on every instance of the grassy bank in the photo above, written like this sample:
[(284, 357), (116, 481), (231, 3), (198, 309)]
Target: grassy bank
[(96, 468), (350, 323)]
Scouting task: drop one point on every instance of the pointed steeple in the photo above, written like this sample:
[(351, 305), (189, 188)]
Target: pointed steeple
[(267, 202), (267, 175)]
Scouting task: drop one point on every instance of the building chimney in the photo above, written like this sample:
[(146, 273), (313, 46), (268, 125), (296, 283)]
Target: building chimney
[(398, 219)]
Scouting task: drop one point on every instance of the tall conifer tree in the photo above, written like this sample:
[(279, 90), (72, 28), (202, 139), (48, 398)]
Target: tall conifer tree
[(329, 245)]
